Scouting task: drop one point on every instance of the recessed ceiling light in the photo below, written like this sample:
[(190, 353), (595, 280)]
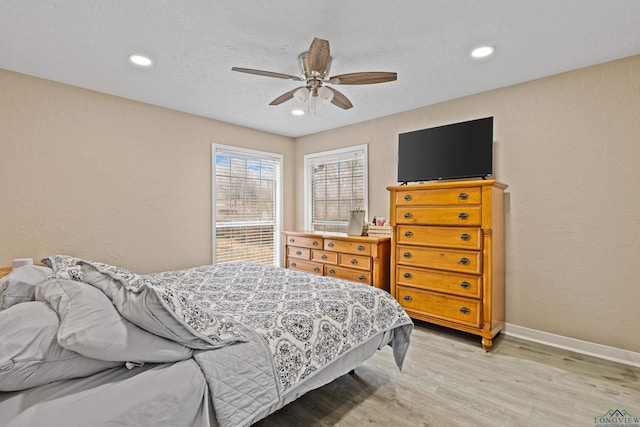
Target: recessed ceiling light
[(297, 112), (482, 51), (140, 60)]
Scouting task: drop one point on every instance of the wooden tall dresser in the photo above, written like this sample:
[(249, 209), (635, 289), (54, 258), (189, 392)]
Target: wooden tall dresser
[(362, 259), (447, 254)]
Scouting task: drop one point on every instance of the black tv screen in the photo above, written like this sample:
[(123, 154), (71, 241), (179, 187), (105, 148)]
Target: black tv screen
[(458, 150)]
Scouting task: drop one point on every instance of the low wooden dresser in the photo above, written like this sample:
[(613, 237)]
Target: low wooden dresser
[(362, 259), (447, 255)]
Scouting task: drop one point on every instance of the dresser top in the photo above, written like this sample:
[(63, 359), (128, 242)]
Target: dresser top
[(336, 236), (450, 184)]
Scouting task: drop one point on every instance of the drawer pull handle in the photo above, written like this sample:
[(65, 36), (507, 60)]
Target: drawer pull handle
[(316, 269), (298, 253), (407, 298), (465, 310), (407, 254), (332, 271), (463, 215), (407, 275), (464, 261), (330, 244), (293, 264), (314, 243), (323, 256), (407, 197), (466, 237), (291, 240), (407, 215), (408, 234), (361, 248), (465, 285), (354, 261), (361, 277), (463, 196)]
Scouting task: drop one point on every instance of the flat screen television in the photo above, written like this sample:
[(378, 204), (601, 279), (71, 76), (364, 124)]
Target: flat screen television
[(458, 150)]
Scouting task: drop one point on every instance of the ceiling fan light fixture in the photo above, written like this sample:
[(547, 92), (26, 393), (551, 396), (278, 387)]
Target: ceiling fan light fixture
[(301, 95), (297, 112), (482, 51), (325, 94)]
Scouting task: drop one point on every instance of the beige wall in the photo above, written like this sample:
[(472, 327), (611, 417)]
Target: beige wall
[(109, 179), (105, 178), (569, 148)]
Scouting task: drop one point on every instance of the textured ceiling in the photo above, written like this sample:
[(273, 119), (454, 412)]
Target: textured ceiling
[(194, 44)]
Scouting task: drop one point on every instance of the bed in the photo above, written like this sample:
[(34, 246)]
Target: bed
[(87, 343)]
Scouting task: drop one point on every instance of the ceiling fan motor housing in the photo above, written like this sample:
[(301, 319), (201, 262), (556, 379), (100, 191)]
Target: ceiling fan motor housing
[(303, 60)]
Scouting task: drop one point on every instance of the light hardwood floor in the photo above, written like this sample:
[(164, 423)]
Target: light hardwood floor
[(448, 380)]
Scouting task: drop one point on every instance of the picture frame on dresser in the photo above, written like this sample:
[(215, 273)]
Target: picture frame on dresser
[(447, 254), (355, 225)]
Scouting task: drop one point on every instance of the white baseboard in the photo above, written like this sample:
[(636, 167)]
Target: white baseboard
[(584, 347)]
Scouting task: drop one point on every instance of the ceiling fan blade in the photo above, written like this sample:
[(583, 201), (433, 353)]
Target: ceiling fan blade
[(266, 73), (284, 97), (365, 78), (319, 56), (339, 99)]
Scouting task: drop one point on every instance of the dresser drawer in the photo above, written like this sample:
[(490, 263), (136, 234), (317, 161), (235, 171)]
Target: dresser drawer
[(440, 197), (309, 267), (448, 237), (447, 215), (307, 242), (299, 253), (324, 256), (440, 259), (453, 283), (346, 246), (355, 261), (348, 274), (457, 309)]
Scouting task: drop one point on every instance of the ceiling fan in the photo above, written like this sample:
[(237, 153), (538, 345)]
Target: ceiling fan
[(315, 65)]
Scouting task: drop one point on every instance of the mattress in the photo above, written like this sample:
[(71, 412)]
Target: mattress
[(171, 394)]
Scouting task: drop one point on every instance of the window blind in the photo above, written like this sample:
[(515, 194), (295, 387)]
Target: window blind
[(247, 206), (338, 184)]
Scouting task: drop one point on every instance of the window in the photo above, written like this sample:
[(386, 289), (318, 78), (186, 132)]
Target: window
[(335, 182), (247, 205)]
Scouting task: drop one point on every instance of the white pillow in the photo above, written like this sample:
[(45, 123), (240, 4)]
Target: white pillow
[(19, 285)]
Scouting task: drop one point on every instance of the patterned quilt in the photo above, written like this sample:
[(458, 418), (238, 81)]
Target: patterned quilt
[(307, 320)]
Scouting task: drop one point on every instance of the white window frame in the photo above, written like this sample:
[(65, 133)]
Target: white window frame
[(328, 156), (278, 220)]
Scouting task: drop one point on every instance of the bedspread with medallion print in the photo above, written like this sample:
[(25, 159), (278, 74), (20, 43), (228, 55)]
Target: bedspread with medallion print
[(307, 320)]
